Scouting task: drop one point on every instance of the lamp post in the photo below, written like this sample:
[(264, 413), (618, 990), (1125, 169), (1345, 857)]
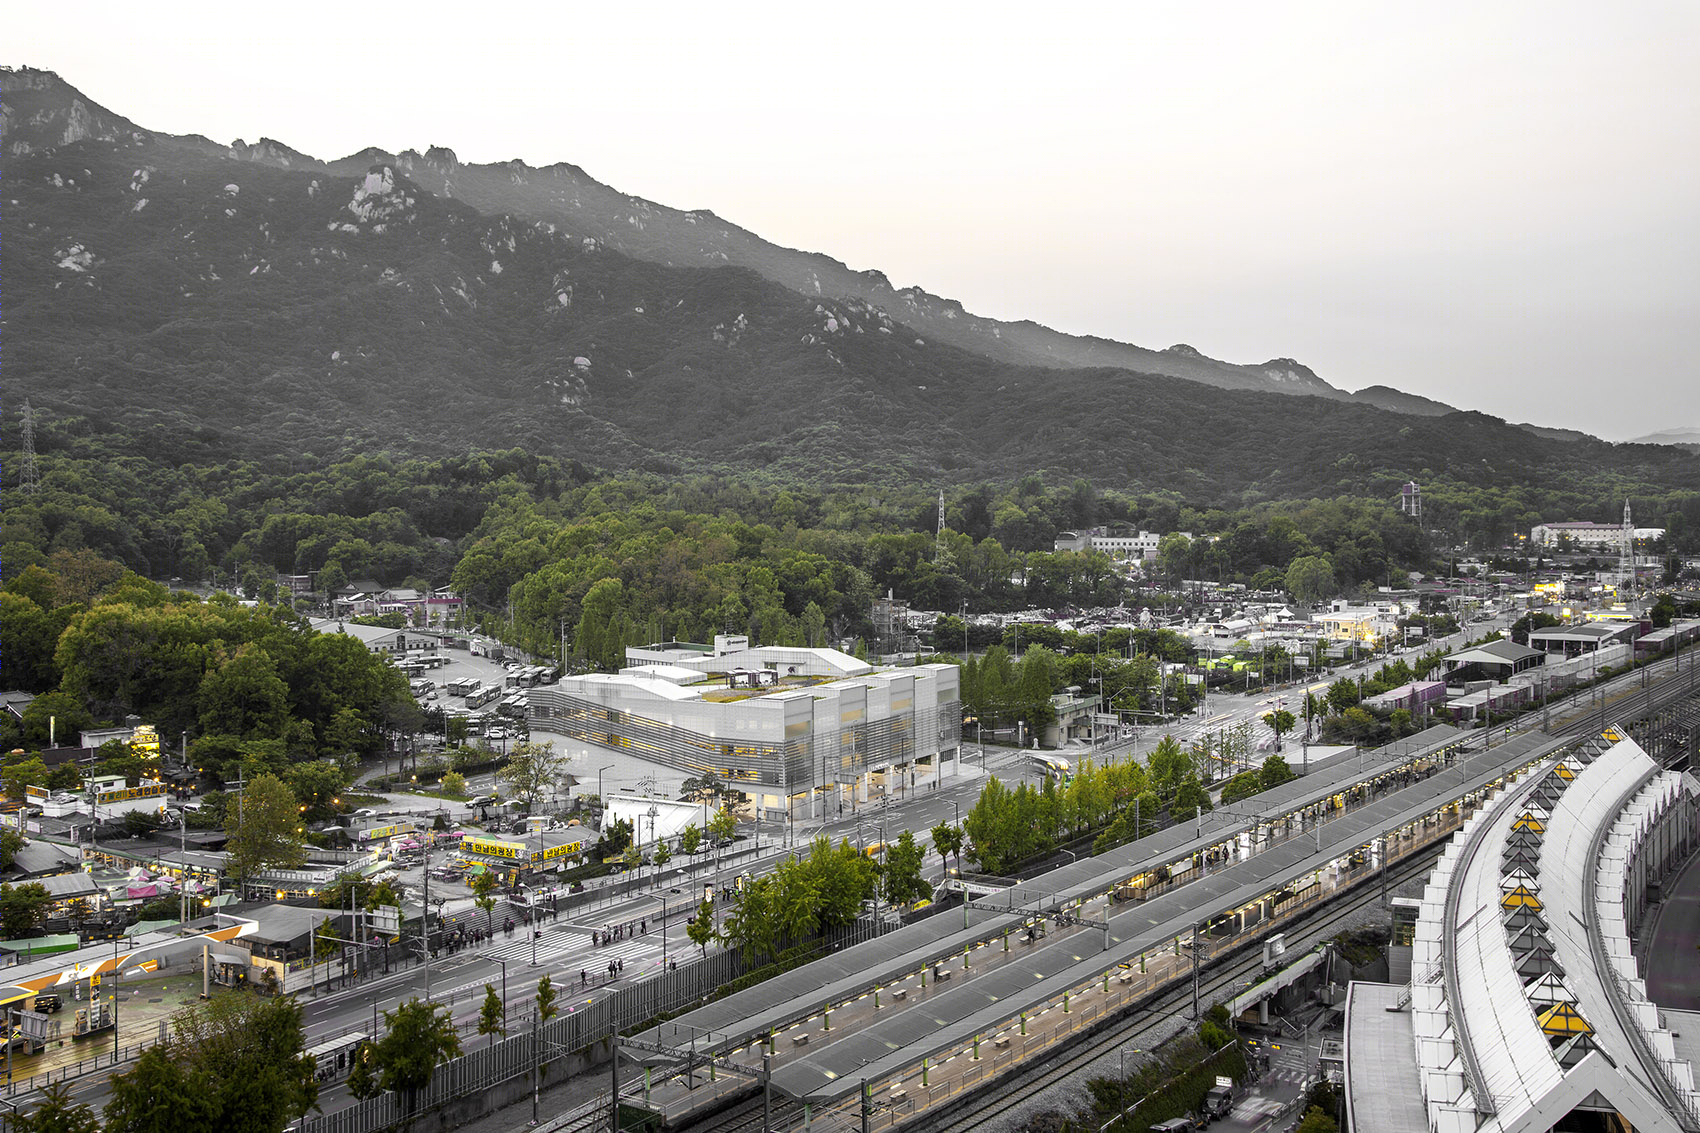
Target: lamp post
[(116, 972), (532, 903), (654, 812), (1122, 1082)]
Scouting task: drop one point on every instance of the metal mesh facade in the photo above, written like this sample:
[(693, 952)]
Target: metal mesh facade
[(789, 741)]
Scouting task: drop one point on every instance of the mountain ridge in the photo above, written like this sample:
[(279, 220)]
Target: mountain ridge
[(194, 305), (564, 193)]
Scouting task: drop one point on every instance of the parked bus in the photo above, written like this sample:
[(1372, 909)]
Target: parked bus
[(333, 1058), (478, 698), (465, 687)]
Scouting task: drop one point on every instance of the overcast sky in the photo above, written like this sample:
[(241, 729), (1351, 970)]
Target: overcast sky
[(1496, 205)]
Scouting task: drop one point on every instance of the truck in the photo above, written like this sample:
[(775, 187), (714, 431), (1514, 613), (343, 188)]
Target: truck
[(1219, 1100)]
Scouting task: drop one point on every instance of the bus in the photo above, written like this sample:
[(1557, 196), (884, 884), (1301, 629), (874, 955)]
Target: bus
[(478, 698), (1051, 766), (333, 1058), (465, 687)]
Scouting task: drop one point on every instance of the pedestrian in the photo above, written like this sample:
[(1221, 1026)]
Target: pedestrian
[(583, 977), (646, 927)]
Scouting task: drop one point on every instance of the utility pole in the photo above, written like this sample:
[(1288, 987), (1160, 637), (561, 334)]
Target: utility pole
[(425, 928), (1197, 956)]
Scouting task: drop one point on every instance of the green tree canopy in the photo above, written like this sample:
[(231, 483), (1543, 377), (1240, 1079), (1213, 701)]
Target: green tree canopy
[(418, 1035), (265, 829)]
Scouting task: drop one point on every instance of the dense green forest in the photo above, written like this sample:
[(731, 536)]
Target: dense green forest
[(688, 556), (237, 682)]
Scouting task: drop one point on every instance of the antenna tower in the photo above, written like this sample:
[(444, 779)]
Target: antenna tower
[(1626, 555), (938, 541), (31, 476)]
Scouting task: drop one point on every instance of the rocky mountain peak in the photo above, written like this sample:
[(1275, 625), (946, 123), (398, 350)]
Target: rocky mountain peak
[(40, 111)]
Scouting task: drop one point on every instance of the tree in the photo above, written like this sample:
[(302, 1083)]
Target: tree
[(701, 929), (244, 696), (25, 773), (265, 830), (54, 717), (57, 1114), (1343, 694), (690, 838), (484, 896), (454, 783), (616, 838), (1241, 786), (723, 825), (21, 907), (1189, 800), (234, 1063), (904, 884), (533, 770), (662, 854), (160, 1094), (1310, 579), (363, 1078), (546, 995), (493, 1015), (1280, 722), (418, 1036), (1274, 772), (702, 789), (1315, 1121), (947, 839), (316, 784)]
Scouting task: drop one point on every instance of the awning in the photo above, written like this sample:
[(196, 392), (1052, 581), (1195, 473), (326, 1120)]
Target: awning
[(239, 959), (12, 993)]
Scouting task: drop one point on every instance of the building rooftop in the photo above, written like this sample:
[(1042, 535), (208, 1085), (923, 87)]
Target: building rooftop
[(1495, 653), (1381, 1083)]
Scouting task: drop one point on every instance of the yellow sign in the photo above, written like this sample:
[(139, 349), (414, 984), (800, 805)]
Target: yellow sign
[(154, 791), (388, 831), (564, 851), (145, 739), (512, 851)]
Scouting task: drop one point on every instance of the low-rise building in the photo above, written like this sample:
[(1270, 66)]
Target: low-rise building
[(824, 730), (1588, 536), (1496, 661), (1573, 640)]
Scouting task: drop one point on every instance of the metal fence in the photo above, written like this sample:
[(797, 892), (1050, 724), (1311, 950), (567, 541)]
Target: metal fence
[(576, 1029)]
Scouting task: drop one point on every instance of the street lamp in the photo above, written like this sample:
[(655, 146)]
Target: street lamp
[(1122, 1083), (532, 903), (654, 813)]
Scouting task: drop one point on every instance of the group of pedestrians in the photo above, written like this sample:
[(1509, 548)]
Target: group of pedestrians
[(615, 969), (611, 933)]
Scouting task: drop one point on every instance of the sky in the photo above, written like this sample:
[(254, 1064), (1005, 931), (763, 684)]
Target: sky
[(1496, 205)]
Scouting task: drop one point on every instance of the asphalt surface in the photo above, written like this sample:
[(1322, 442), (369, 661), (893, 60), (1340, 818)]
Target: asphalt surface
[(1673, 978)]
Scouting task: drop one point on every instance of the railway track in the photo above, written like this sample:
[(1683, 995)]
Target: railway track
[(1059, 1064)]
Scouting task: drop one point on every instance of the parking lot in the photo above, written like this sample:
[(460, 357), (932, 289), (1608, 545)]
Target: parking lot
[(461, 666)]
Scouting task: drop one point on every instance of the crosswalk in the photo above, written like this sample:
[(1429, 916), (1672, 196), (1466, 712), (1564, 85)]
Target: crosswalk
[(568, 946)]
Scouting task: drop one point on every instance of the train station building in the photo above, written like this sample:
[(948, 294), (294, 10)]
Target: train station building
[(1528, 1008)]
